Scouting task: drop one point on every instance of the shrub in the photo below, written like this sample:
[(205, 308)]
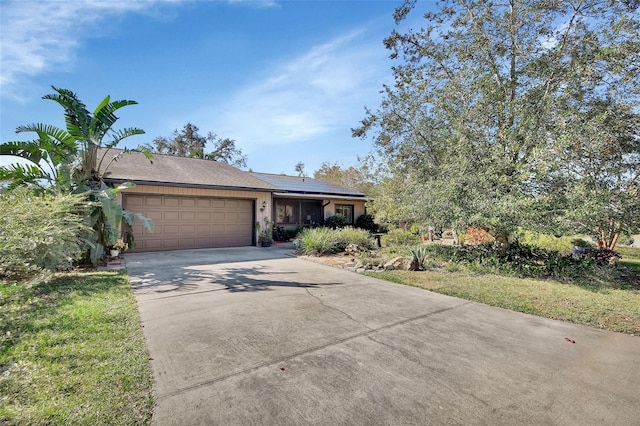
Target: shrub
[(314, 241), (518, 259), (318, 241), (336, 221), (365, 221), (39, 233), (475, 236), (602, 255), (400, 237), (359, 237)]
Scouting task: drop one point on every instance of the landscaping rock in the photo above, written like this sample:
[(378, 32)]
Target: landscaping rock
[(354, 249), (395, 263)]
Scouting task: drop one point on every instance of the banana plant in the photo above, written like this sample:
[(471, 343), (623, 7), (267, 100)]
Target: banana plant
[(105, 216), (68, 160)]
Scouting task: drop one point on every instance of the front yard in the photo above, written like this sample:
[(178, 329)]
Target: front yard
[(72, 352), (608, 299)]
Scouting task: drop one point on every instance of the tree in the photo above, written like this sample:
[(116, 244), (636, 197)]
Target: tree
[(300, 169), (351, 177), (189, 143), (68, 160), (485, 98)]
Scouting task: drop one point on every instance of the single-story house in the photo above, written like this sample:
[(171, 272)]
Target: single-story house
[(197, 203)]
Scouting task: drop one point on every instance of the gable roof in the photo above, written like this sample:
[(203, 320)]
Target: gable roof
[(170, 170), (305, 185)]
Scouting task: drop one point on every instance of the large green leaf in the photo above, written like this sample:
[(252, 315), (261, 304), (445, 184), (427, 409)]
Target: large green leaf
[(148, 223), (112, 211)]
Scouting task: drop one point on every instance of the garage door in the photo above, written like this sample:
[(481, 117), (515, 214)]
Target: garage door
[(191, 222)]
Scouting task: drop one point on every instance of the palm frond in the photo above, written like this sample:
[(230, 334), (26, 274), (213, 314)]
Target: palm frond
[(119, 135), (29, 150), (20, 174), (104, 116)]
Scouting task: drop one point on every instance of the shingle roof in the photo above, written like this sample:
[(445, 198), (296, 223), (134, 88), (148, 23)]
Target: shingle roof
[(306, 185), (172, 170)]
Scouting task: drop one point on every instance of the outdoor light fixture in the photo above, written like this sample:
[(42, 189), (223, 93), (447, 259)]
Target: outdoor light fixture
[(264, 204)]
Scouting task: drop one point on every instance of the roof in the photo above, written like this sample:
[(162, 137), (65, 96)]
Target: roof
[(172, 170), (179, 171), (306, 185)]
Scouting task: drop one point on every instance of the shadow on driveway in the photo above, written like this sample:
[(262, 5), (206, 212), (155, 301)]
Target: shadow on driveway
[(189, 271), (254, 336)]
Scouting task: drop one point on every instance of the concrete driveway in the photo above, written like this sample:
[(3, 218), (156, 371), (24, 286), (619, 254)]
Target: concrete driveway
[(254, 336)]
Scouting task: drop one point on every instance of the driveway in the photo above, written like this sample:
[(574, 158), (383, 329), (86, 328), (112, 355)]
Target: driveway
[(253, 336)]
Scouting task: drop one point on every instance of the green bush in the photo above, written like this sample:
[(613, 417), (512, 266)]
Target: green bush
[(359, 237), (518, 260), (315, 241), (336, 221), (400, 237), (39, 233), (318, 241), (366, 222)]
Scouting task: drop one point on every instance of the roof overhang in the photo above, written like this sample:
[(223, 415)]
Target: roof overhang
[(187, 185), (318, 196)]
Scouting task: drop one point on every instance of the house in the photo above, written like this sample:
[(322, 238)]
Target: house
[(197, 203)]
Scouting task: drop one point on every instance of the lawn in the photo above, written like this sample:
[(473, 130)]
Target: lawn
[(595, 303), (72, 352), (630, 257)]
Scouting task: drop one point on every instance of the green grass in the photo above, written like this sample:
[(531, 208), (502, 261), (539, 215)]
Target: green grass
[(630, 257), (615, 309), (72, 352)]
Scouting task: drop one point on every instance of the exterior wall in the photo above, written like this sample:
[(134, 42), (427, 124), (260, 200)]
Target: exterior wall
[(260, 197)]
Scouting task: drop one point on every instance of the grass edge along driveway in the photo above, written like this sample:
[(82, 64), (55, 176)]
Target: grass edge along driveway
[(72, 352), (600, 307)]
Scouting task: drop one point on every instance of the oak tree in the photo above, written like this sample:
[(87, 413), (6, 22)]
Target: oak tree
[(487, 98)]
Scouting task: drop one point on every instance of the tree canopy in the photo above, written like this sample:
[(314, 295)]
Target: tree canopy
[(187, 142), (357, 178), (515, 113)]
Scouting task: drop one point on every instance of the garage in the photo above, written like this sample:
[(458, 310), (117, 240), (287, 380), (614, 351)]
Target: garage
[(190, 222)]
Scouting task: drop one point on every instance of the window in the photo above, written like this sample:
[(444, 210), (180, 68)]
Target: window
[(346, 211), (285, 212)]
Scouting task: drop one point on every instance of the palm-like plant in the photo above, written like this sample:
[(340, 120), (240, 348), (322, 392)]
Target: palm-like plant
[(50, 157), (68, 160)]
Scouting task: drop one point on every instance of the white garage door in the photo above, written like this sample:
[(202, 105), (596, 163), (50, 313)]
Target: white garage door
[(183, 222)]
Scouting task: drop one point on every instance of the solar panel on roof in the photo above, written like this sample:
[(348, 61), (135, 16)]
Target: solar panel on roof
[(305, 185)]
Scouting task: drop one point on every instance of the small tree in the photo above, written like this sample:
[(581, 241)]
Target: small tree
[(300, 169)]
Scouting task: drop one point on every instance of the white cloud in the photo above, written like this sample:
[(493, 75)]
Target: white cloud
[(258, 3), (38, 36), (308, 96)]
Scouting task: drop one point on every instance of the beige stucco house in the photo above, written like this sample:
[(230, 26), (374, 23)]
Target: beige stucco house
[(198, 203)]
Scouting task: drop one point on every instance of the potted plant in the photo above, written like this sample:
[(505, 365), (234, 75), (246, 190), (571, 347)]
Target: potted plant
[(118, 246), (265, 232)]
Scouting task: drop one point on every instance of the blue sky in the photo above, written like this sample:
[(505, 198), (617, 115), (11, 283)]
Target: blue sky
[(286, 79)]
